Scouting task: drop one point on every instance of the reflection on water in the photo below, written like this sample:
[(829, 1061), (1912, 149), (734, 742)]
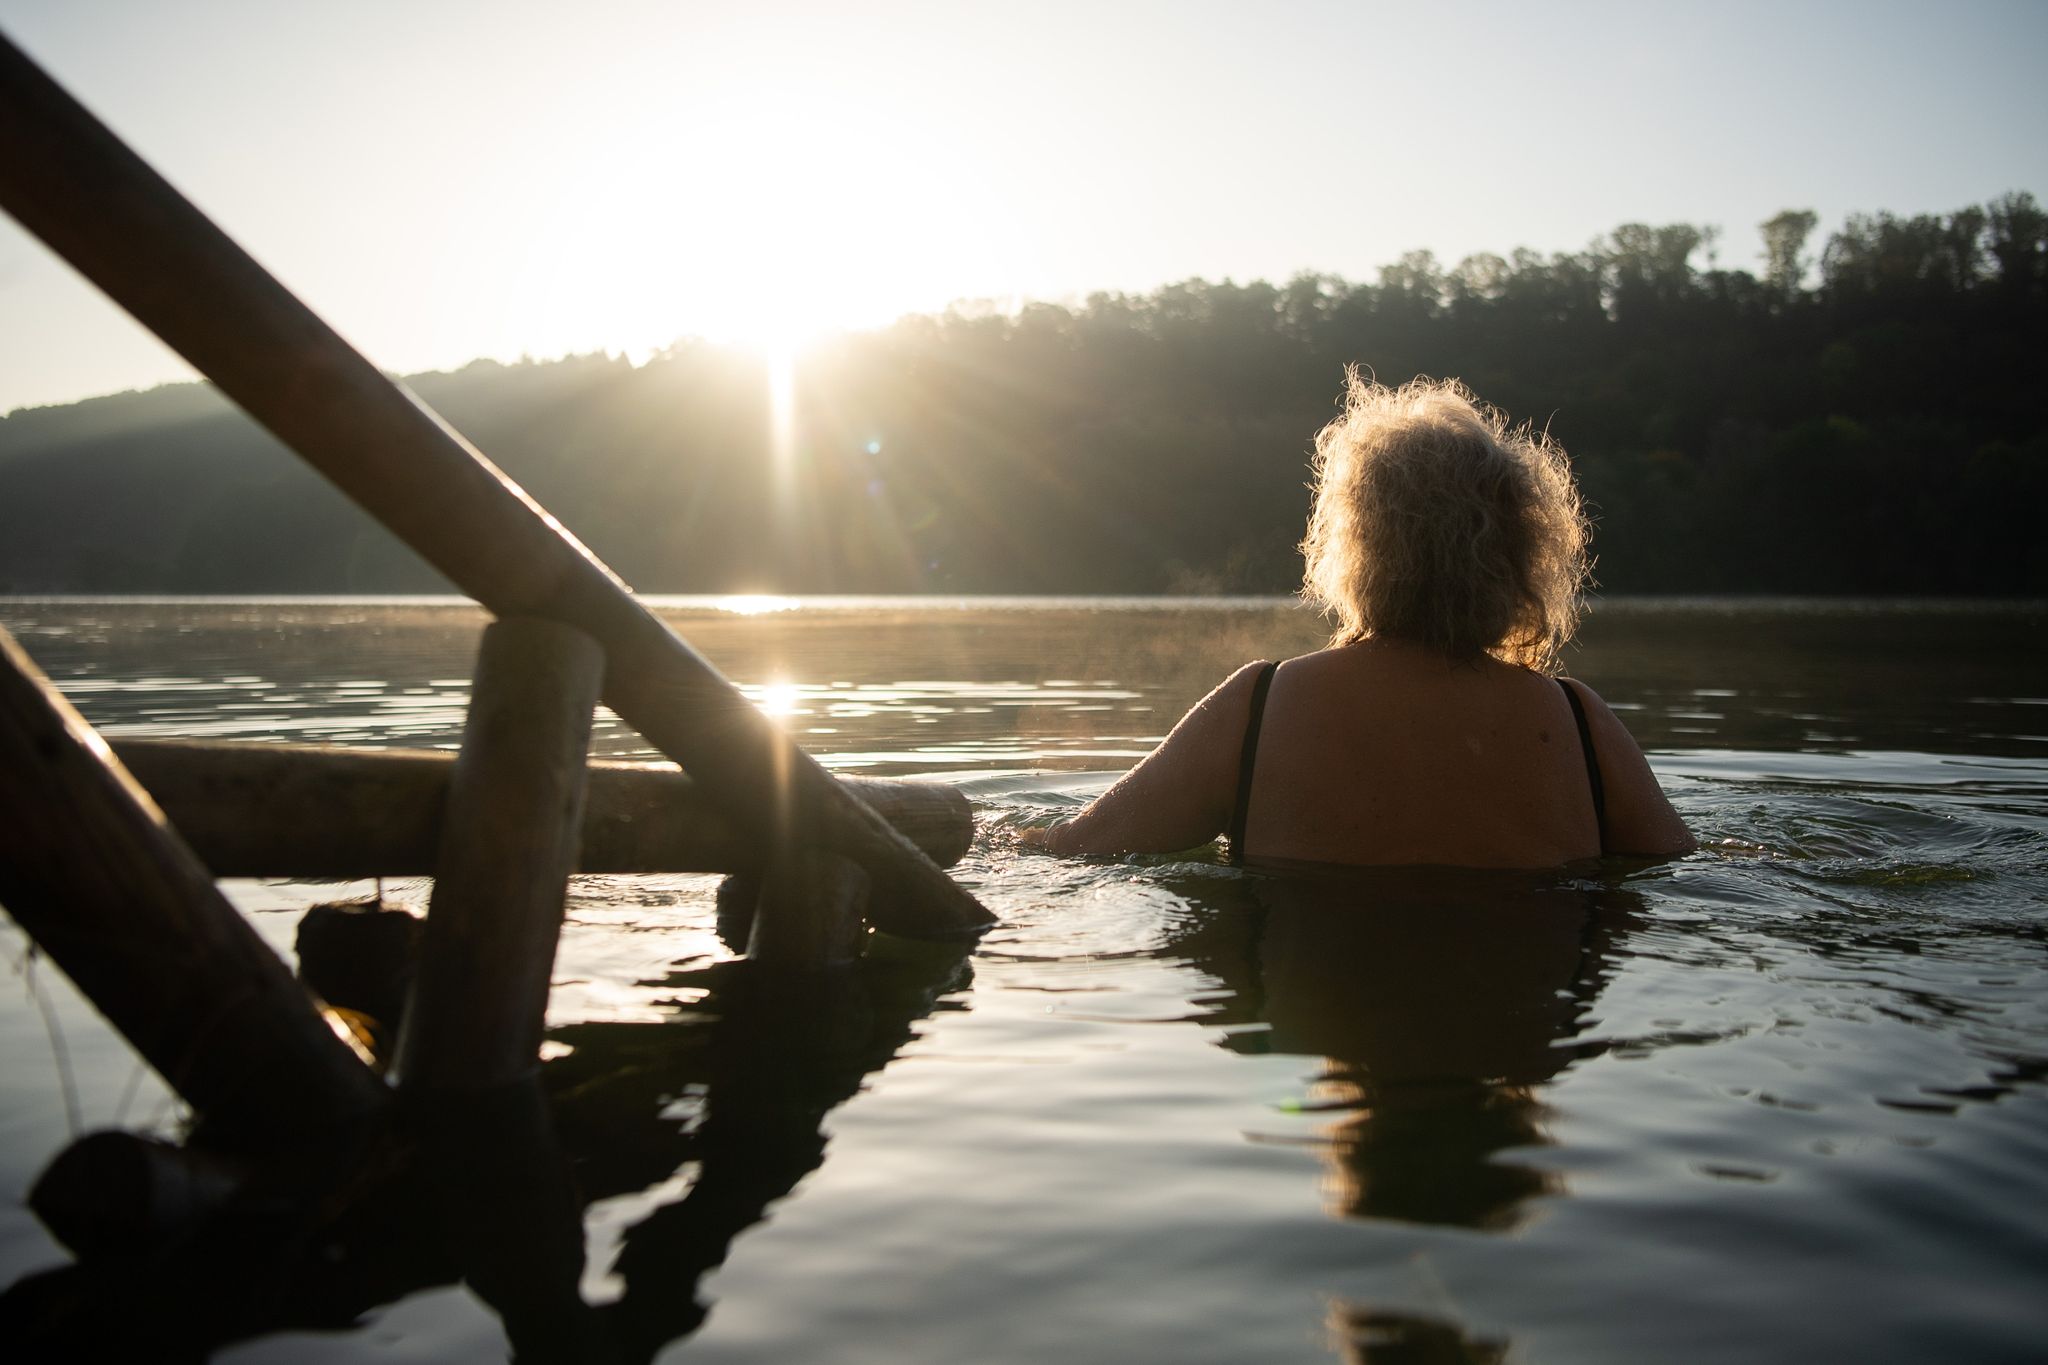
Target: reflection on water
[(1783, 1100), (1438, 1008)]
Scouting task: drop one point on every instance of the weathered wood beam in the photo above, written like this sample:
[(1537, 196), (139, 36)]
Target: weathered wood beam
[(322, 810), (76, 186), (94, 874), (809, 916), (515, 810)]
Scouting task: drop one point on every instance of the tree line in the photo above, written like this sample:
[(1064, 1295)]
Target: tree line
[(1856, 417)]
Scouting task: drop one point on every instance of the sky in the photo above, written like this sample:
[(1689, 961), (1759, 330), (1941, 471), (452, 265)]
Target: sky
[(450, 179)]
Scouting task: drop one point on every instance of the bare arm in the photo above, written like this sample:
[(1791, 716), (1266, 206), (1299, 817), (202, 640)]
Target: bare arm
[(1640, 819), (1181, 793)]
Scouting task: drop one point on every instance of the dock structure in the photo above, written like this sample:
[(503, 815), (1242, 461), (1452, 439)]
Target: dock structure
[(243, 808), (70, 181), (92, 862)]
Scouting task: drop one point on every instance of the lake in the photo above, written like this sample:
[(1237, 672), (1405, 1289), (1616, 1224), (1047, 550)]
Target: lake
[(1781, 1100)]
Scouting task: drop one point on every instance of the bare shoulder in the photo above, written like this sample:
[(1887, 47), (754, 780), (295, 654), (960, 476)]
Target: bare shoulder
[(1205, 742), (1180, 794), (1599, 714), (1640, 818), (1233, 694)]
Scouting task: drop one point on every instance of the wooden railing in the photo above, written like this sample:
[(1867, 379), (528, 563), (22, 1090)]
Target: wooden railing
[(96, 874)]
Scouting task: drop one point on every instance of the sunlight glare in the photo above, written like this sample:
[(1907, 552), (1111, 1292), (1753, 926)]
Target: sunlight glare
[(781, 365), (767, 216), (779, 699), (756, 604)]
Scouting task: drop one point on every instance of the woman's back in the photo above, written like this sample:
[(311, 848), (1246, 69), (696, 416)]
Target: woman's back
[(1452, 548), (1387, 753)]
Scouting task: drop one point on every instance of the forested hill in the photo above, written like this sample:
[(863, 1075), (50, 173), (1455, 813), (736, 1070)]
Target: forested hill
[(1862, 417)]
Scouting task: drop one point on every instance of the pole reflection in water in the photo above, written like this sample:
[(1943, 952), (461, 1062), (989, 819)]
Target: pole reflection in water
[(784, 1051), (1438, 1005), (491, 1188), (506, 1206)]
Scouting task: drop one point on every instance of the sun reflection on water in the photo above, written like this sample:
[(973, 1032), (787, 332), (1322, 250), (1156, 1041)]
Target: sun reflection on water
[(755, 604), (778, 698)]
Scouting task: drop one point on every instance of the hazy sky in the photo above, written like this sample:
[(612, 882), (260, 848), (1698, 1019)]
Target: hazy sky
[(443, 179)]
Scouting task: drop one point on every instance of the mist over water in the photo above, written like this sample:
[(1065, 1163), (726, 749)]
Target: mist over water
[(1781, 1100)]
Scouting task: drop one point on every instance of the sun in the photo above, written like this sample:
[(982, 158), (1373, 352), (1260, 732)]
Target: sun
[(770, 223)]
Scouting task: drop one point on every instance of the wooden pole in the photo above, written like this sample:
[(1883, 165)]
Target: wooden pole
[(515, 809), (94, 874), (75, 185), (324, 810), (809, 916)]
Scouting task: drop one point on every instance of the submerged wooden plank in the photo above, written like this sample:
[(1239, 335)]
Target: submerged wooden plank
[(92, 871), (306, 810)]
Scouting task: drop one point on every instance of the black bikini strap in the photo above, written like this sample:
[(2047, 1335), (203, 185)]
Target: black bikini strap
[(1592, 760), (1247, 760)]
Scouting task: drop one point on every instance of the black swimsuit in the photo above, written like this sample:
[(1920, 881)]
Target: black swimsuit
[(1248, 759)]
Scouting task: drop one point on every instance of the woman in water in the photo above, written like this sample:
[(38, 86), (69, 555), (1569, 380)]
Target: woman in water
[(1434, 728)]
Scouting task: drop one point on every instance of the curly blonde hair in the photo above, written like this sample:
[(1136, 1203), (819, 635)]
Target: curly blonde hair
[(1436, 521)]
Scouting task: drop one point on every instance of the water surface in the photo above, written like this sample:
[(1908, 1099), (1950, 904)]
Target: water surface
[(1781, 1100)]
